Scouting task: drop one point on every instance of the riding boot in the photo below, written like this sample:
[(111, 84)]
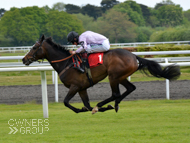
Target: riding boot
[(79, 68), (88, 72)]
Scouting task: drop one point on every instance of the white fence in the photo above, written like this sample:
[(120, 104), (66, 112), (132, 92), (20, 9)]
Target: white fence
[(149, 43), (45, 67), (113, 45), (14, 49)]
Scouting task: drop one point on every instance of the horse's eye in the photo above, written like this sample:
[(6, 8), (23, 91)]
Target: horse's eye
[(34, 48)]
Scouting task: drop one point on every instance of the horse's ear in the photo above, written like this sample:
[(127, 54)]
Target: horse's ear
[(42, 38)]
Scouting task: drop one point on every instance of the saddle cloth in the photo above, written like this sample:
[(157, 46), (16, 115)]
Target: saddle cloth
[(94, 59)]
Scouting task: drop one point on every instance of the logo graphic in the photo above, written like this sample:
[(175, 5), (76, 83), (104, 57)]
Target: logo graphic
[(28, 126), (13, 130)]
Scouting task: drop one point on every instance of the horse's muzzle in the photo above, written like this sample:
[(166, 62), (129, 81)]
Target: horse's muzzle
[(26, 61)]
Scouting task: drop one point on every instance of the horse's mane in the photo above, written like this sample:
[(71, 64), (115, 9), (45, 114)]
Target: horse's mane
[(55, 45)]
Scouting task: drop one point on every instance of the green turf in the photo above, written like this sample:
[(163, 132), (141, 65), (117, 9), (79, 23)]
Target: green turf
[(143, 121)]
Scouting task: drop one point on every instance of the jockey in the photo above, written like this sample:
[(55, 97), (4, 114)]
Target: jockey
[(90, 42)]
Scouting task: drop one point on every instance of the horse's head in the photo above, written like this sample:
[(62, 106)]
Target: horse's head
[(35, 53)]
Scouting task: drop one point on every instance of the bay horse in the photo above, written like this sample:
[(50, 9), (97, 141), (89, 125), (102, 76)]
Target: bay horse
[(118, 64)]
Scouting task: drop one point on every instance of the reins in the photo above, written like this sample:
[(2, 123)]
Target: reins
[(56, 61)]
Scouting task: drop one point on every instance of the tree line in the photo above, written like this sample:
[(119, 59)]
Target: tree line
[(120, 22)]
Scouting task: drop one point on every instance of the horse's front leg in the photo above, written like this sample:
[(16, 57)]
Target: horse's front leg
[(84, 96), (72, 91)]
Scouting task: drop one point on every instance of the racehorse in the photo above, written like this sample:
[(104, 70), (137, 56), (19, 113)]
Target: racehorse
[(118, 64)]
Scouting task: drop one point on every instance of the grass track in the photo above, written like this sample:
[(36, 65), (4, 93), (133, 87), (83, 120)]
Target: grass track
[(142, 121)]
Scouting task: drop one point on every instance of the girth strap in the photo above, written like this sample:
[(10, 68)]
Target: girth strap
[(65, 69)]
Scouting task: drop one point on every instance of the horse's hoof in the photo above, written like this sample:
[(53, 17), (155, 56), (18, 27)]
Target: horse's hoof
[(84, 109), (110, 107), (94, 110), (116, 108)]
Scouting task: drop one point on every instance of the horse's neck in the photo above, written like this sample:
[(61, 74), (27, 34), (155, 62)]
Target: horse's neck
[(53, 54)]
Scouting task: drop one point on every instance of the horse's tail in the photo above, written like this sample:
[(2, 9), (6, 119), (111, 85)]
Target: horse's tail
[(171, 72)]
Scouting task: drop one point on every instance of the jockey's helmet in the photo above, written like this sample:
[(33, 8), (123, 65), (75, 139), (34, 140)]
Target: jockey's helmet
[(71, 37)]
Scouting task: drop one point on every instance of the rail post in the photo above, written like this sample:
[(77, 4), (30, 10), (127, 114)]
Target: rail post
[(44, 94), (167, 85), (56, 87), (53, 77)]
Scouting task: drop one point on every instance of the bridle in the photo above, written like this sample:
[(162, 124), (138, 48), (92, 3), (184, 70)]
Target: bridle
[(38, 47)]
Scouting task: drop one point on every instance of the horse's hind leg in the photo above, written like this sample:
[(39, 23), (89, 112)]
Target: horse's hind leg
[(103, 109), (84, 96), (130, 88), (115, 94)]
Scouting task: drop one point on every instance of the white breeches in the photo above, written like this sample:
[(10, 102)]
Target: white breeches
[(94, 48)]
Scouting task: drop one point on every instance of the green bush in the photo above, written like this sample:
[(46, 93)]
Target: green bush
[(179, 33), (164, 47)]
